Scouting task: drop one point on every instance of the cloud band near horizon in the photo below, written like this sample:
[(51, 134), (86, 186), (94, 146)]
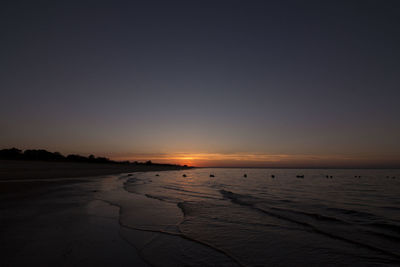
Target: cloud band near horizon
[(266, 160)]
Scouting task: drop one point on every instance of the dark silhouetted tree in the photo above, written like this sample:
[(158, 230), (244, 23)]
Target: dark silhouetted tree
[(11, 153)]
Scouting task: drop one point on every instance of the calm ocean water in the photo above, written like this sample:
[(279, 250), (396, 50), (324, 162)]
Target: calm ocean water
[(351, 218)]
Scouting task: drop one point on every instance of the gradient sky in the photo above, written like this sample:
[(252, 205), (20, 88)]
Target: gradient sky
[(209, 83)]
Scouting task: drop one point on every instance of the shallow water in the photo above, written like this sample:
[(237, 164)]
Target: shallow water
[(352, 217)]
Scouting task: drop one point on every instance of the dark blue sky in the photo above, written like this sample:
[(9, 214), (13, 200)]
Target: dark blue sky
[(298, 79)]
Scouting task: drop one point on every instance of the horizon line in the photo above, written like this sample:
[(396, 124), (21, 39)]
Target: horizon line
[(252, 167)]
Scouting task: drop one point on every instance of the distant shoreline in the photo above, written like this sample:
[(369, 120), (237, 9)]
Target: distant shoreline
[(20, 169), (47, 156), (306, 168)]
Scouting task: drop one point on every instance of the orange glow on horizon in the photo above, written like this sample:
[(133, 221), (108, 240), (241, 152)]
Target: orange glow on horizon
[(255, 160)]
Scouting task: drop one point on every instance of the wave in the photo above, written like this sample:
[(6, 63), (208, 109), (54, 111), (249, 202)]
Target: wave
[(186, 210), (355, 213), (156, 197), (194, 193), (136, 181), (238, 198), (283, 215), (315, 216), (232, 261), (192, 209), (248, 200), (354, 222)]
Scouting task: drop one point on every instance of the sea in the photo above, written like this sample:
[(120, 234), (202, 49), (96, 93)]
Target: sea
[(264, 217)]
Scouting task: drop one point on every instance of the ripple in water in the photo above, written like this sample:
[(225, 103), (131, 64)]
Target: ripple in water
[(271, 217)]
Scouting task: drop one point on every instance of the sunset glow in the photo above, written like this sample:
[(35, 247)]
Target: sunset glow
[(257, 160), (205, 84)]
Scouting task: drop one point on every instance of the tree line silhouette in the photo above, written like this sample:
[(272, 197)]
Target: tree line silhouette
[(44, 155)]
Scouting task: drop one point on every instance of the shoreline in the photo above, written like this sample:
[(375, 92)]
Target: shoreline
[(62, 223), (24, 179), (90, 221), (51, 215), (15, 169)]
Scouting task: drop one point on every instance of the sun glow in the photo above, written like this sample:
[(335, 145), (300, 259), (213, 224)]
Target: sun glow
[(248, 159)]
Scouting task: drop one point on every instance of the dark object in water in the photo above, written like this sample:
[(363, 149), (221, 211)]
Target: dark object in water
[(331, 177), (300, 176), (327, 176), (394, 177), (245, 175), (272, 176), (130, 174), (184, 175), (359, 176), (157, 174), (355, 176), (212, 175)]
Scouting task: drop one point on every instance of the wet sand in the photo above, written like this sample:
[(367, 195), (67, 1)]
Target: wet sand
[(28, 178), (11, 170), (52, 214)]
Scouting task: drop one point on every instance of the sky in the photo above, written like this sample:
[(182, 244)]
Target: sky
[(205, 83)]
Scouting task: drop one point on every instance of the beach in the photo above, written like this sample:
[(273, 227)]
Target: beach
[(23, 178), (188, 217), (52, 214), (16, 169)]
